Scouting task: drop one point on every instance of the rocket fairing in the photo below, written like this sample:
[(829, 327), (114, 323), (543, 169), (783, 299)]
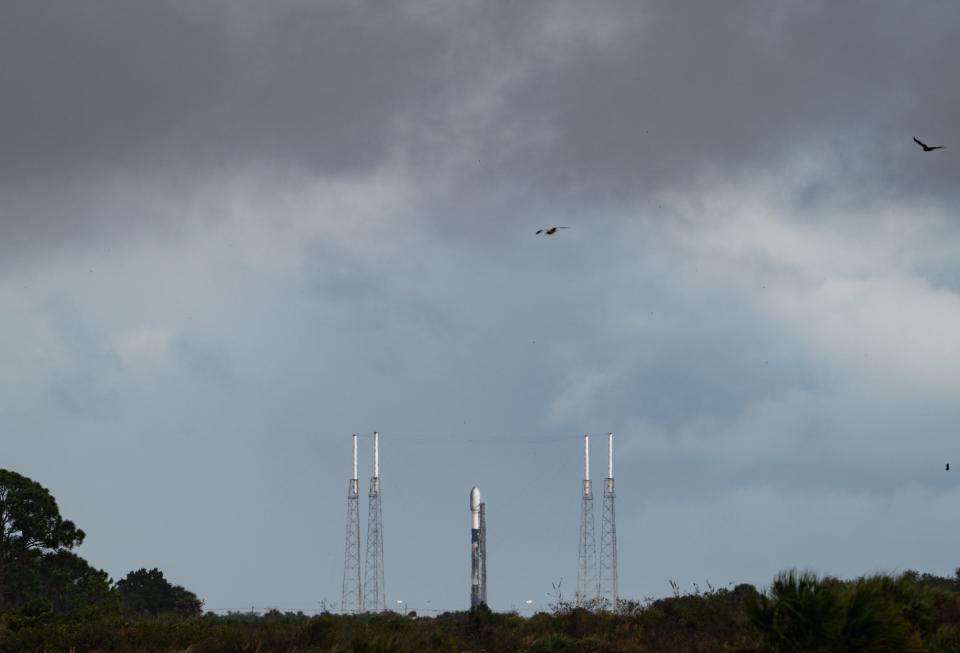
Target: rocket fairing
[(475, 508)]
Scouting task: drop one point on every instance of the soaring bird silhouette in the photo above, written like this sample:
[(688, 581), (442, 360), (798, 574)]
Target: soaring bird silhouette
[(948, 467), (927, 148), (549, 231)]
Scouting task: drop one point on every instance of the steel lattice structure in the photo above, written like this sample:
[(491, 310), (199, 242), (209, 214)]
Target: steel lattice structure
[(587, 570), (374, 598), (609, 584), (351, 599)]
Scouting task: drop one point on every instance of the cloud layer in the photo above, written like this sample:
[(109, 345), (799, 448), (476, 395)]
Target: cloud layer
[(234, 235)]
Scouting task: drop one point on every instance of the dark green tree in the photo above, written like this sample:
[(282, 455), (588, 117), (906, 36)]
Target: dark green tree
[(148, 592), (877, 614), (801, 612), (874, 618), (69, 584), (32, 533)]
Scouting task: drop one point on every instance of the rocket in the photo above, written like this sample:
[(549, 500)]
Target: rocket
[(474, 547), (478, 553)]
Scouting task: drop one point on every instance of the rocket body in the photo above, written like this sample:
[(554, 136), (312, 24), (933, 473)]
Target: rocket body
[(477, 591)]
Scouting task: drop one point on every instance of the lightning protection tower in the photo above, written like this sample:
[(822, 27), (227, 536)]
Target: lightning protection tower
[(350, 600), (587, 571), (374, 599), (609, 590)]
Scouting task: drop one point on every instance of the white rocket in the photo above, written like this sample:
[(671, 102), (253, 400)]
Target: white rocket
[(478, 549)]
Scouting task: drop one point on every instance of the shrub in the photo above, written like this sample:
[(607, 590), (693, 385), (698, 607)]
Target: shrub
[(945, 640), (553, 643)]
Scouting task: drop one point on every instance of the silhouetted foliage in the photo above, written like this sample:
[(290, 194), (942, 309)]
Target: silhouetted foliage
[(70, 584), (55, 601), (35, 563), (799, 612), (148, 592), (878, 613)]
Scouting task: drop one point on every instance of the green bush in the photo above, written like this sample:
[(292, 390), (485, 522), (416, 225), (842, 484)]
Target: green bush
[(874, 619), (945, 640), (801, 612), (875, 614), (553, 643)]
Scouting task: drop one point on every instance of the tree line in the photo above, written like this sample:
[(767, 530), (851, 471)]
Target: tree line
[(53, 600), (39, 572)]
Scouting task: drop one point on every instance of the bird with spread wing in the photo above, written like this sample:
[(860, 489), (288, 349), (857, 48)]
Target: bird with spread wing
[(549, 231), (927, 148)]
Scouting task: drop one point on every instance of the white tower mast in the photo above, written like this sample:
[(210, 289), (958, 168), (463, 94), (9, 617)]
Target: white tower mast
[(374, 598), (587, 569), (350, 599), (609, 583)]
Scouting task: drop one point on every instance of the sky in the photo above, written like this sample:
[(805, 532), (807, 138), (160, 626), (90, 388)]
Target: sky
[(236, 233)]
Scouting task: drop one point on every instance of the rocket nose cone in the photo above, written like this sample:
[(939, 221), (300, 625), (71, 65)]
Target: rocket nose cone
[(475, 499)]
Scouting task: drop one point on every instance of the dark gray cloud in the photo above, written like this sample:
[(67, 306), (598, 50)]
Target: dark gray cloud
[(602, 106), (632, 95), (706, 84), (107, 86)]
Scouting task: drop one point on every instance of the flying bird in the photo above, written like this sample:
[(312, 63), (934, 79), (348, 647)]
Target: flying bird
[(549, 231), (927, 148), (948, 467)]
